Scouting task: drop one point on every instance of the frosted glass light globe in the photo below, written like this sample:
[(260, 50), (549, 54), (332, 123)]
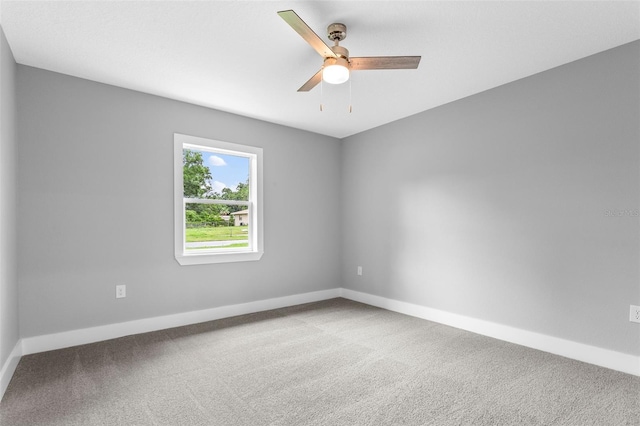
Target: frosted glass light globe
[(335, 71)]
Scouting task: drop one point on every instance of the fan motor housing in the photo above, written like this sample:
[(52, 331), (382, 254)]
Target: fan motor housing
[(341, 52), (337, 32), (337, 61)]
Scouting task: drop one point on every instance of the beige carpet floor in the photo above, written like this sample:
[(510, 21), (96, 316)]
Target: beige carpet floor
[(335, 362)]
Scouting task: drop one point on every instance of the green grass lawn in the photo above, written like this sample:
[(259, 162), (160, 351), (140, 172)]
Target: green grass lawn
[(217, 247), (218, 233)]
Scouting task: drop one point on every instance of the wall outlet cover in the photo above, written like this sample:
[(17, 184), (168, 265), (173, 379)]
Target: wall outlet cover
[(634, 314), (121, 291)]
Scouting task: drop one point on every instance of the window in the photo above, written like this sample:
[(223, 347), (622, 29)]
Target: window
[(218, 201)]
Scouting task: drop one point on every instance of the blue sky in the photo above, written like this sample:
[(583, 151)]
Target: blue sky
[(226, 170)]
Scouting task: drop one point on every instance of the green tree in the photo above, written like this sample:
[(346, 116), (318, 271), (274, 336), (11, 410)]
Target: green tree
[(243, 191), (203, 213), (240, 194), (192, 216), (196, 175)]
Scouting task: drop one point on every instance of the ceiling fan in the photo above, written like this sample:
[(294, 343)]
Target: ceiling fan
[(337, 63)]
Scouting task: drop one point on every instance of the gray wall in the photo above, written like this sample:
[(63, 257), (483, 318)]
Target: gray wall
[(496, 206), (8, 261), (95, 210)]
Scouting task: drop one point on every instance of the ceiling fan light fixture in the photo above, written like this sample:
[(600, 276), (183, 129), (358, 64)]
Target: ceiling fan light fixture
[(338, 65), (335, 70)]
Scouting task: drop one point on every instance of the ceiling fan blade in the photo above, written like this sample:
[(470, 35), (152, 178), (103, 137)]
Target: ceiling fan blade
[(312, 82), (385, 63), (291, 18)]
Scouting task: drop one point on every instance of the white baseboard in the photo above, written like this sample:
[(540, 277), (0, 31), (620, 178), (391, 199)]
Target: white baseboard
[(9, 367), (603, 357), (83, 336), (579, 351)]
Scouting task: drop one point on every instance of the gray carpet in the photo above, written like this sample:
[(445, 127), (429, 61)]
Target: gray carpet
[(329, 363)]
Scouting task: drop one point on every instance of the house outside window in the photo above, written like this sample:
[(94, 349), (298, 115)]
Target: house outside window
[(241, 218)]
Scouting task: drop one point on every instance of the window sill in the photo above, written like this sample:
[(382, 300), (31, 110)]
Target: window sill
[(206, 258)]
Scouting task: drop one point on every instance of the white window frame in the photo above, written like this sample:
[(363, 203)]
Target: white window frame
[(254, 204)]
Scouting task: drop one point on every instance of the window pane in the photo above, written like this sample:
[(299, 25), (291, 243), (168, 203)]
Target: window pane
[(216, 226), (216, 175)]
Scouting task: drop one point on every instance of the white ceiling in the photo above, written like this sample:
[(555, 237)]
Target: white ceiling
[(241, 57)]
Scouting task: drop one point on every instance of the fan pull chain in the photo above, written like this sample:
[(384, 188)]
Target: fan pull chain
[(321, 91), (350, 104)]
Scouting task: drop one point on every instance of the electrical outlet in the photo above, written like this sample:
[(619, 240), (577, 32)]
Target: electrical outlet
[(634, 314), (121, 291), (359, 270)]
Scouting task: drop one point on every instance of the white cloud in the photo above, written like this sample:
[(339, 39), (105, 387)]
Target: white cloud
[(217, 186), (214, 160)]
